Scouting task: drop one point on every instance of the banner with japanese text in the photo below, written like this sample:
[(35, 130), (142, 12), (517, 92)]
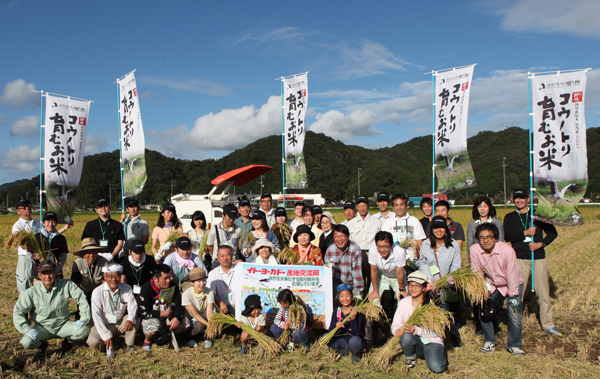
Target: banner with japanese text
[(133, 144), (64, 147), (295, 103), (559, 145), (453, 165), (311, 283)]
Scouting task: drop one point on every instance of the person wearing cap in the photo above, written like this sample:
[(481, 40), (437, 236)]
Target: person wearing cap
[(168, 223), (159, 307), (363, 227), (281, 228), (350, 335), (298, 220), (266, 206), (114, 311), (136, 228), (244, 209), (442, 208), (404, 227), (439, 256), (221, 280), (260, 230), (326, 225), (416, 341), (349, 211), (426, 206), (530, 240), (87, 269), (252, 316), (345, 258), (137, 266), (309, 221), (263, 251), (49, 299), (182, 262), (497, 262), (54, 243), (108, 233), (225, 232), (26, 264), (483, 211), (383, 203), (198, 301), (318, 213), (305, 252)]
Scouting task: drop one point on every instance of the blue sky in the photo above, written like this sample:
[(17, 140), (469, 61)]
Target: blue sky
[(206, 70)]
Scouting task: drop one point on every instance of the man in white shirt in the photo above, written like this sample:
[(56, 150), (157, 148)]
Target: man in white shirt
[(349, 211), (383, 203), (299, 220), (26, 261), (404, 226), (111, 302), (266, 205), (221, 280), (135, 227)]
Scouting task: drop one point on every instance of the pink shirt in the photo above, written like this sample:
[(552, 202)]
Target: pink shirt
[(500, 267), (403, 312)]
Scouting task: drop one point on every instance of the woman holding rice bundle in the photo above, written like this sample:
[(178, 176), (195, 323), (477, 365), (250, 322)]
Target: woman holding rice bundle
[(440, 255), (168, 222), (198, 232), (418, 342)]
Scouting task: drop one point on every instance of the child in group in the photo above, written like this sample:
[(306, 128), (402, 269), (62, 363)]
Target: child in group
[(198, 302), (351, 334), (282, 320), (415, 340), (252, 317)]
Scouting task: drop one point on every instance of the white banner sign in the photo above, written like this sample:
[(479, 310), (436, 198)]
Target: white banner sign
[(452, 91), (133, 144), (295, 104), (311, 283), (64, 147), (560, 150)]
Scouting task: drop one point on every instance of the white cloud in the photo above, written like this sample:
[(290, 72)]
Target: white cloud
[(94, 145), (17, 94), (27, 127), (192, 85), (257, 36), (22, 158), (577, 17), (146, 95), (370, 58), (345, 127)]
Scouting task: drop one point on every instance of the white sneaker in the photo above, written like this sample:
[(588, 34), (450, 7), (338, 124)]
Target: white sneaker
[(488, 347), (516, 351)]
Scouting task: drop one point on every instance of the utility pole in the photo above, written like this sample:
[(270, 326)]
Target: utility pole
[(504, 173), (37, 194), (110, 194), (26, 196), (359, 180), (172, 182)]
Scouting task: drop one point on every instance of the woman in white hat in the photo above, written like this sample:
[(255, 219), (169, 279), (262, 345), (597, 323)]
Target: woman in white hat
[(263, 252), (326, 224)]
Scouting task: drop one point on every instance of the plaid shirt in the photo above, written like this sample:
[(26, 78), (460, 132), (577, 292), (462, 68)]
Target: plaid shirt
[(347, 265)]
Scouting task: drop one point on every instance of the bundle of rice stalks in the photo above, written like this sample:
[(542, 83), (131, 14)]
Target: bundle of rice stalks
[(371, 311), (220, 320), (470, 283), (297, 317), (409, 242), (27, 239), (283, 233), (246, 239), (174, 236), (287, 256), (203, 243), (384, 355)]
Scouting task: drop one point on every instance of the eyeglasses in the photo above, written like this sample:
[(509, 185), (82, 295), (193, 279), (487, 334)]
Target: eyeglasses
[(415, 285), (24, 207), (384, 247), (485, 238)]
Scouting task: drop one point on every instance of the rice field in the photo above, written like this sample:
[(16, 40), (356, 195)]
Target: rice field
[(575, 291)]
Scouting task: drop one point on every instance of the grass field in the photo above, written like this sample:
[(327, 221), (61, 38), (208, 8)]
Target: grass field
[(576, 298)]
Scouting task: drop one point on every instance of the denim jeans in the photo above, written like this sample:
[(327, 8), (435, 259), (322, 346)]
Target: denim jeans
[(354, 344), (433, 353), (299, 336), (515, 322), (454, 308)]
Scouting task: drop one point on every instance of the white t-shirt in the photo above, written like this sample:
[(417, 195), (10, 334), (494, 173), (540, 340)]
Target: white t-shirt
[(30, 226), (188, 298), (387, 267), (258, 321), (222, 284)]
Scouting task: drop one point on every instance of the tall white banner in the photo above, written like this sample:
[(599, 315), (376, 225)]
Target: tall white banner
[(295, 103), (559, 144), (453, 165), (65, 123), (133, 144)]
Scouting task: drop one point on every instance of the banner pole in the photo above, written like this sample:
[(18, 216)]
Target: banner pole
[(120, 148), (531, 178), (433, 74), (42, 125), (282, 144)]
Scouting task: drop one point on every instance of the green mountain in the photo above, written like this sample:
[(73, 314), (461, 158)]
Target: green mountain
[(332, 169)]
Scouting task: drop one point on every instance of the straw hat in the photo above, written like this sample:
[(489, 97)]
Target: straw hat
[(89, 245)]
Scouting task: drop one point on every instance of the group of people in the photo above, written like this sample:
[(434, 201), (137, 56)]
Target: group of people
[(390, 257)]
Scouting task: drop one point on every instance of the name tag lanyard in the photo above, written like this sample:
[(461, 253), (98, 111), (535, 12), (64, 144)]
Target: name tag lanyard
[(103, 231), (113, 304)]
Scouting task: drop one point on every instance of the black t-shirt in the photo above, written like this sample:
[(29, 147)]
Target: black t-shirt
[(515, 224), (133, 274), (113, 232), (425, 222)]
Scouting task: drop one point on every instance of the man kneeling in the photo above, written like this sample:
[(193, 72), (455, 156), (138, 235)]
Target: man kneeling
[(159, 306), (50, 300), (110, 303)]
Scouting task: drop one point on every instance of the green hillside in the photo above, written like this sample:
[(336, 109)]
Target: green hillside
[(332, 169)]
